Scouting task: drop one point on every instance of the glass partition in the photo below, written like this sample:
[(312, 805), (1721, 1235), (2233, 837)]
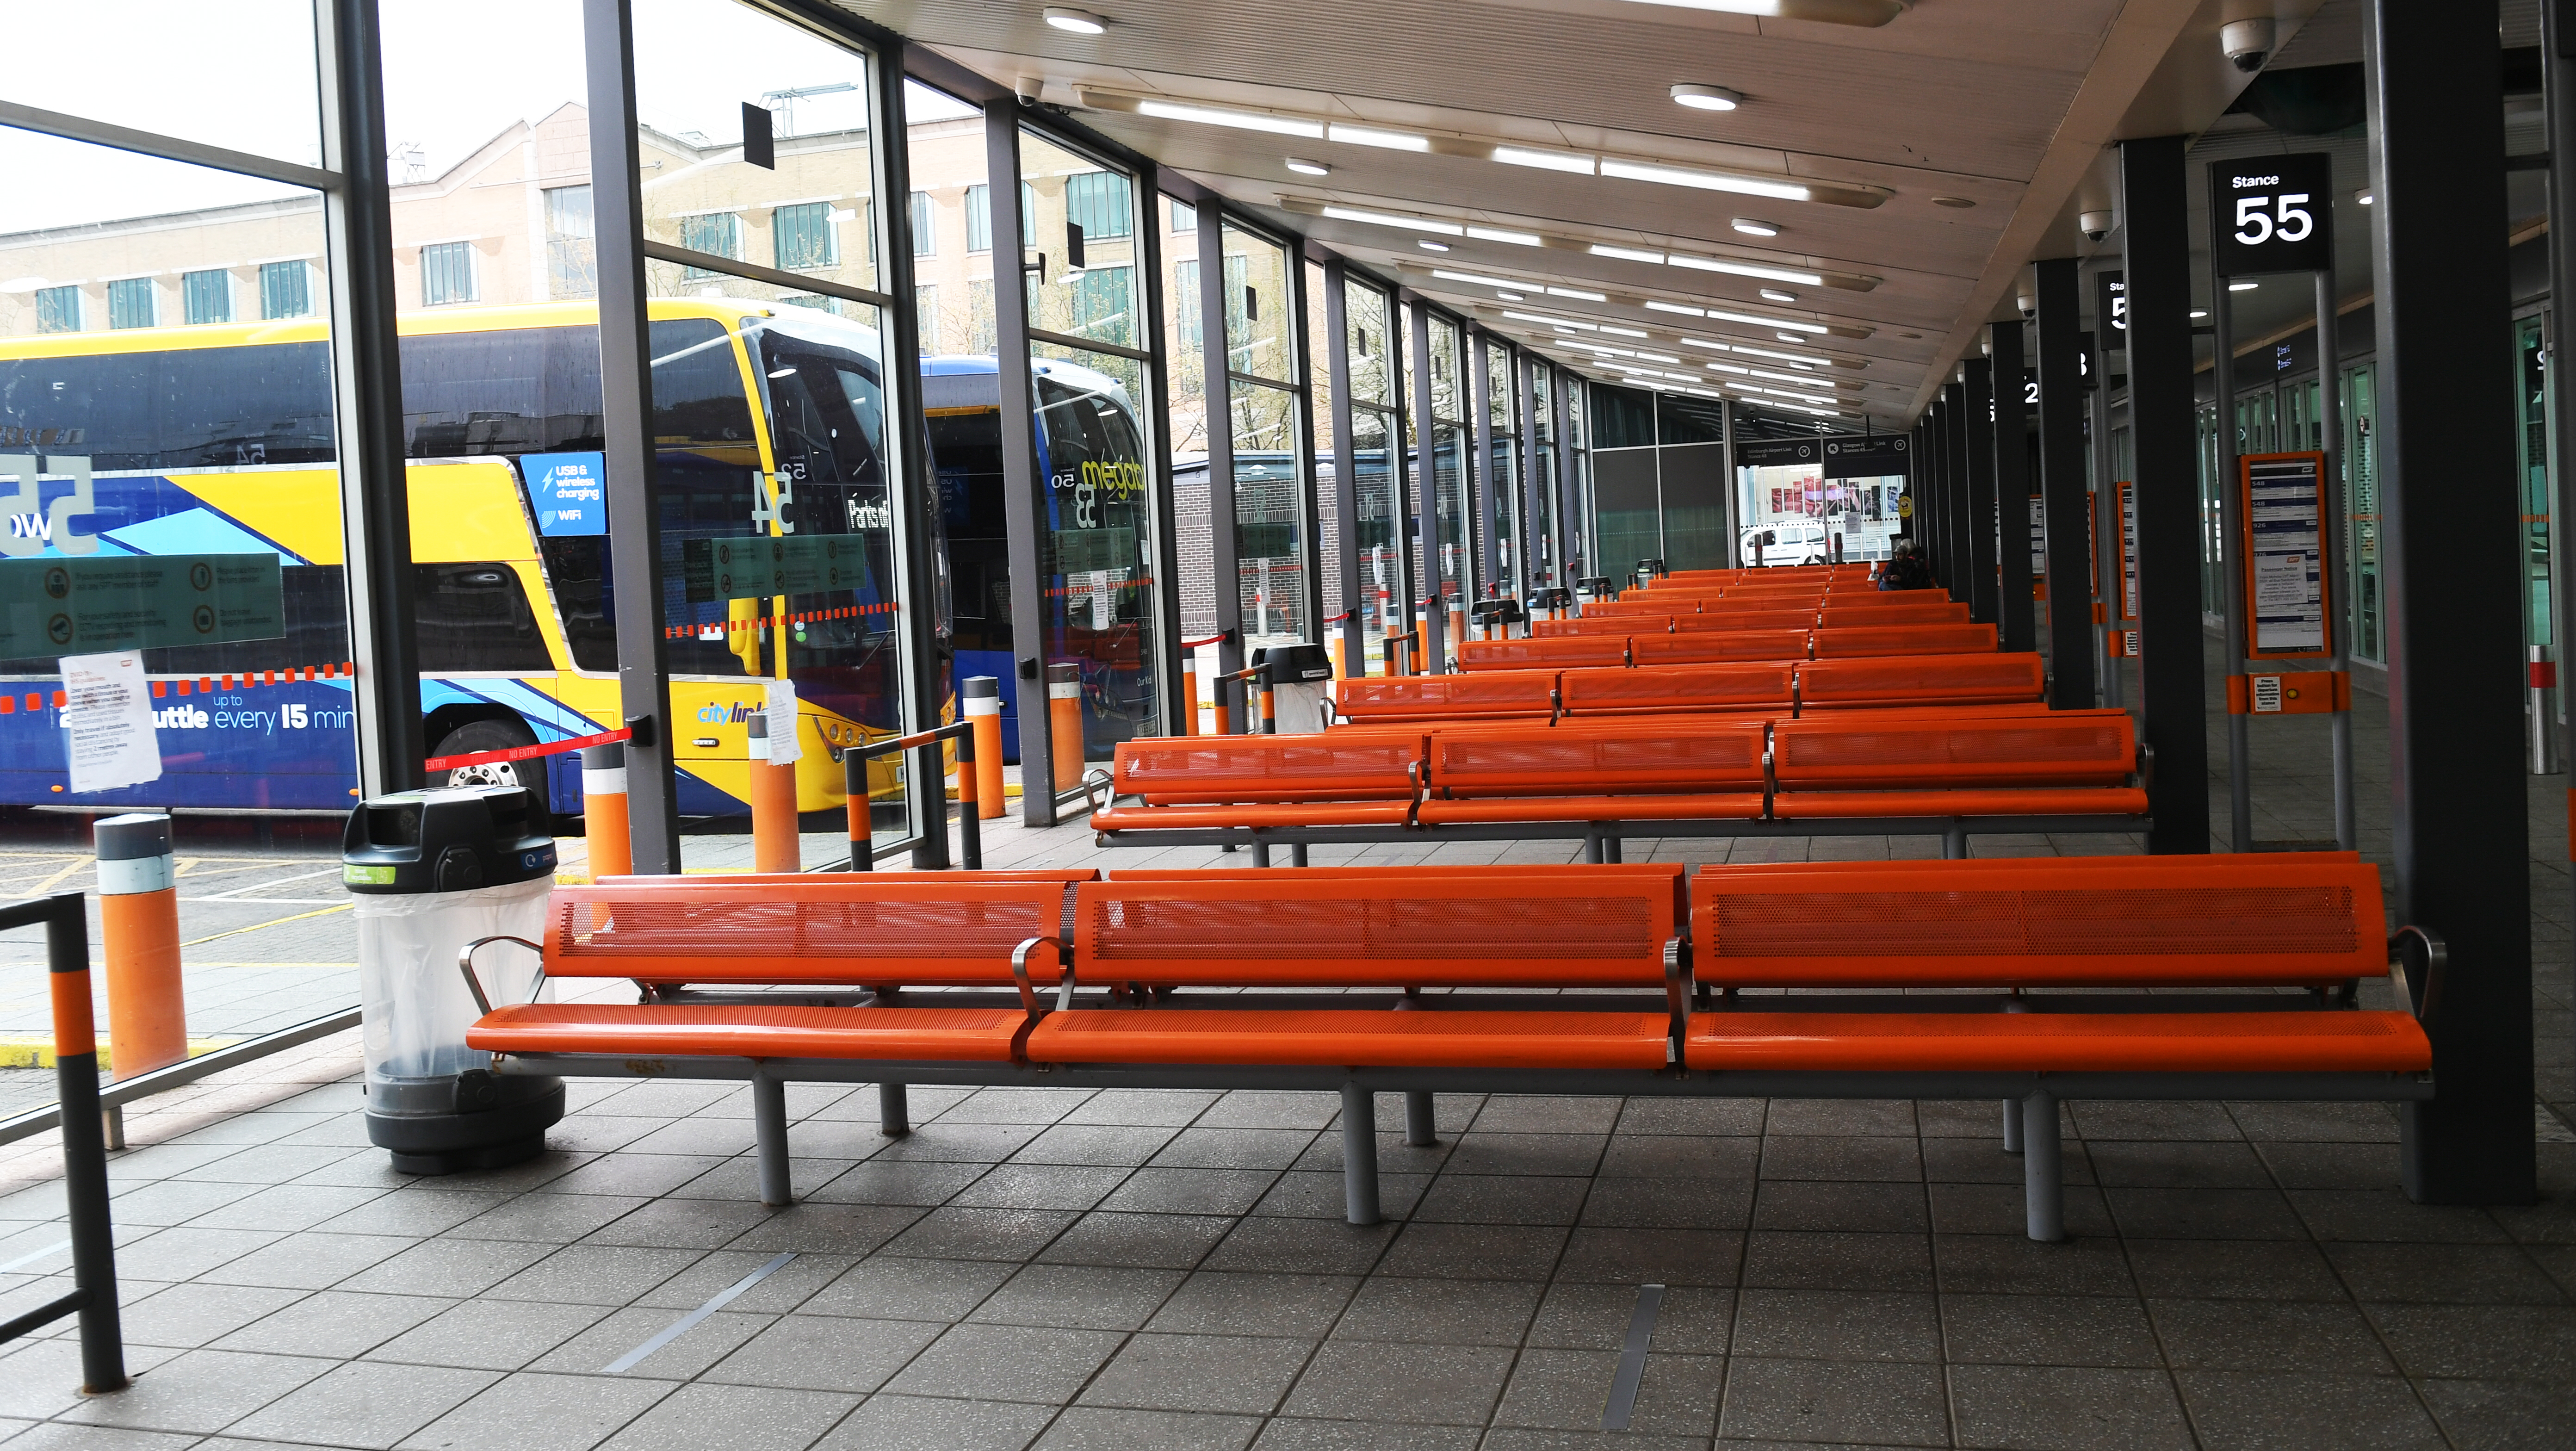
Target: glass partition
[(1502, 470), (1376, 372), (1186, 424), (1265, 402)]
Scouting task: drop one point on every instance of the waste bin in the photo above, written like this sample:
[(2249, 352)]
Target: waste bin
[(433, 871), (1300, 676)]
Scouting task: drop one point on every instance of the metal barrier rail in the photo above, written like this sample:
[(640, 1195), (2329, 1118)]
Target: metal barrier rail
[(93, 1297), (970, 828)]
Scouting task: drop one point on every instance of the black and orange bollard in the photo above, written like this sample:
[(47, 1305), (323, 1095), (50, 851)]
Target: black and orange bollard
[(982, 695), (1064, 724), (1189, 722), (138, 909), (772, 793), (606, 844)]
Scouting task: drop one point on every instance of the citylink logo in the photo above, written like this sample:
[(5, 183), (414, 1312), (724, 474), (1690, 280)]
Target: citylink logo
[(734, 714)]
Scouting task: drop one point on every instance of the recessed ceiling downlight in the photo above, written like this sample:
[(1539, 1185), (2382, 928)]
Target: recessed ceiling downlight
[(1755, 227), (1952, 201), (1773, 294), (1707, 98), (1304, 167), (1079, 22)]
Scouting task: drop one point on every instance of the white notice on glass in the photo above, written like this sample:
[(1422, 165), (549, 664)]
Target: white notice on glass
[(784, 747), (2280, 582), (107, 722)]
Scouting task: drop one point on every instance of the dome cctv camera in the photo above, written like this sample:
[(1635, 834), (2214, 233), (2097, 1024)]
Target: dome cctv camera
[(2095, 225), (1029, 89), (2029, 306), (2247, 42)]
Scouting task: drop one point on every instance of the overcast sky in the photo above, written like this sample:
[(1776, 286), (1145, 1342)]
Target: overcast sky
[(239, 74)]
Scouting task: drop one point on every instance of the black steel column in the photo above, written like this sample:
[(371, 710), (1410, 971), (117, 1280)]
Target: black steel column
[(916, 485), (1479, 387), (1346, 480), (1945, 520), (1536, 547), (2452, 525), (1956, 494), (1928, 518), (1426, 500), (1301, 448), (1985, 604), (1573, 522), (2065, 503), (1024, 501), (2012, 489), (1216, 363), (2156, 224), (626, 425)]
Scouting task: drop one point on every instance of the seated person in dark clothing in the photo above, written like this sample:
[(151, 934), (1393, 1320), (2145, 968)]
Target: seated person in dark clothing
[(1904, 569)]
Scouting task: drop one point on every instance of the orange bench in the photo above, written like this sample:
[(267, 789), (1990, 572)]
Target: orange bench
[(1955, 639), (2062, 763), (1839, 614), (1535, 654), (1028, 1003), (1919, 680), (1485, 695), (1739, 686), (1707, 647), (1696, 771)]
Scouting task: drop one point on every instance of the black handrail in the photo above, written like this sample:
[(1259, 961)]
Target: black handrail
[(970, 826), (93, 1295)]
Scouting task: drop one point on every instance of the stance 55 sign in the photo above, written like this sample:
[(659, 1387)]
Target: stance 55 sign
[(2272, 214)]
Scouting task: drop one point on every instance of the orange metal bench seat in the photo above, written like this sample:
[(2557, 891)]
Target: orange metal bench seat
[(1378, 1038), (1722, 806), (841, 929), (1488, 693), (1264, 814), (1914, 680), (1960, 801), (719, 1030), (1179, 770), (2249, 1042)]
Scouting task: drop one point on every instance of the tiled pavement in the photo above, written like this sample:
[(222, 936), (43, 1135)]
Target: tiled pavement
[(1144, 1270)]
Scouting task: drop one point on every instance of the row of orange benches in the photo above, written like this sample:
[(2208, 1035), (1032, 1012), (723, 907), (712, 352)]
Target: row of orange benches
[(1659, 645), (1780, 687), (1582, 980), (1606, 617), (1856, 773)]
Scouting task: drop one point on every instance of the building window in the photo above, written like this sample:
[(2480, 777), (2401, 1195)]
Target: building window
[(446, 273), (715, 233), (58, 310), (804, 237), (1185, 218), (925, 242), (979, 217), (983, 333), (1103, 306), (1185, 298), (285, 290), (572, 246), (207, 296), (925, 314), (1097, 202), (129, 302)]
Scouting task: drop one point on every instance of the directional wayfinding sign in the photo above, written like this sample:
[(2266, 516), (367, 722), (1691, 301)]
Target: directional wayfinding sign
[(761, 566), (93, 603), (2272, 214)]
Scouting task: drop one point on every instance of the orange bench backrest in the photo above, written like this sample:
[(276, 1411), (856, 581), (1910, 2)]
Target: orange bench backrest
[(1731, 618), (1859, 752), (1388, 928), (1957, 639), (1485, 655), (2301, 921), (1606, 756), (1762, 685), (1673, 873), (1920, 680), (1491, 692), (851, 930), (1334, 766), (1838, 615), (1589, 624), (1061, 876), (1708, 647)]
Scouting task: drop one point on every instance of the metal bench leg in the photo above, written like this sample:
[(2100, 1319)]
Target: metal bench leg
[(894, 1110), (2012, 1125), (1297, 854), (1954, 844), (1261, 853), (1592, 846), (2043, 1181), (1418, 1128), (1611, 850), (1359, 1154), (769, 1132)]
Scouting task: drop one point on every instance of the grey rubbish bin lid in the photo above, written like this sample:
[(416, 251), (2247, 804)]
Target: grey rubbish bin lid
[(1290, 664), (412, 842)]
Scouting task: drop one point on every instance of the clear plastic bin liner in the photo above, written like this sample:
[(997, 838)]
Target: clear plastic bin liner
[(413, 1004)]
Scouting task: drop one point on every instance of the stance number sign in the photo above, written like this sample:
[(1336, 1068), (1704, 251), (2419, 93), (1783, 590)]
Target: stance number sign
[(2272, 214)]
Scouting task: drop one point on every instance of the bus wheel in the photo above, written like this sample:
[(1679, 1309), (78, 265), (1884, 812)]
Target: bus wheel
[(494, 735)]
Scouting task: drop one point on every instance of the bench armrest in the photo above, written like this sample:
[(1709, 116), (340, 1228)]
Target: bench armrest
[(1020, 972), (2146, 767), (474, 985), (2421, 958), (1677, 993)]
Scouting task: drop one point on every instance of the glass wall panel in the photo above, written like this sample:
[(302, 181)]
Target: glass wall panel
[(781, 557), (152, 65), (1376, 373), (1269, 534), (2531, 449), (1185, 420), (205, 431), (1502, 472), (1332, 527), (1256, 307)]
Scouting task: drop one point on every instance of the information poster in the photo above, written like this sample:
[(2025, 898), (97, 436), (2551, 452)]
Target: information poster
[(107, 722), (2285, 578), (2128, 565), (104, 602)]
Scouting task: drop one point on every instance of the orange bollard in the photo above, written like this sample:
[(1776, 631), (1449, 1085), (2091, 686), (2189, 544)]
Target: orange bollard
[(1064, 724), (1457, 626), (1341, 656), (1189, 721), (983, 698), (603, 811), (773, 803), (138, 904)]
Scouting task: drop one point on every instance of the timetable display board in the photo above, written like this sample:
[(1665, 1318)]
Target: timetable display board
[(2128, 601), (2283, 505)]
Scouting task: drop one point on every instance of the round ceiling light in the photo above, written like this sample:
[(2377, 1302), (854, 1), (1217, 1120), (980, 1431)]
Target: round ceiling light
[(1952, 201), (1427, 245), (1773, 294), (1303, 167), (1080, 22), (1707, 98), (1754, 227)]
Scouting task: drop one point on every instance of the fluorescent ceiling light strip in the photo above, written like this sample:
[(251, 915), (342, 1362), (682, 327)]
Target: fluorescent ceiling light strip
[(1632, 254), (1548, 321), (1654, 306), (1728, 367), (1498, 234), (1658, 358), (1372, 136), (1390, 219), (1705, 343), (1576, 162), (1624, 332), (1784, 357), (1578, 295), (1704, 180), (1750, 320), (1240, 120), (1480, 281), (1743, 269), (1703, 393)]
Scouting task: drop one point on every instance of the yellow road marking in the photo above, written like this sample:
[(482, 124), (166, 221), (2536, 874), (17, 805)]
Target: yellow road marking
[(27, 1052), (272, 922)]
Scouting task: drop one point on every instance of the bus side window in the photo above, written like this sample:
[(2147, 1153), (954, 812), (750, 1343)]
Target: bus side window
[(514, 390), (474, 618), (698, 393)]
